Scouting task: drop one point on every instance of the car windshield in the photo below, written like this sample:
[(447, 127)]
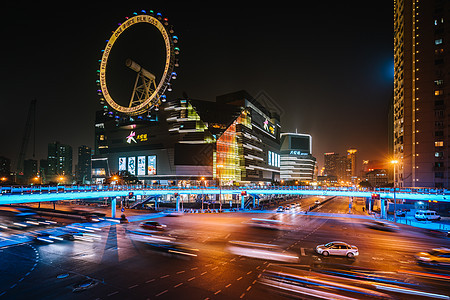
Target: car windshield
[(329, 244)]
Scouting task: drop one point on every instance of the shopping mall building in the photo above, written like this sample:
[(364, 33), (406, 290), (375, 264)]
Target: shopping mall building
[(234, 140)]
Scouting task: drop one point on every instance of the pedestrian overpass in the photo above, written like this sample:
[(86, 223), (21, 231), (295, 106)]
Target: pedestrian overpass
[(27, 194)]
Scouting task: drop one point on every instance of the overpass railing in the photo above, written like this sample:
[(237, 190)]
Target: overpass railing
[(32, 189)]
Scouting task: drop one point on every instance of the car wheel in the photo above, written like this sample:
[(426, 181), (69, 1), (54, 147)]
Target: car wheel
[(325, 253), (350, 255)]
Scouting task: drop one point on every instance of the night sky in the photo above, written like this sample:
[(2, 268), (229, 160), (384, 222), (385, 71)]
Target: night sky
[(327, 64)]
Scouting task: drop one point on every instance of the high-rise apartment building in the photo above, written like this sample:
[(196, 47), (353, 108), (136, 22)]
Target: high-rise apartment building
[(341, 168), (84, 168), (421, 94), (59, 159)]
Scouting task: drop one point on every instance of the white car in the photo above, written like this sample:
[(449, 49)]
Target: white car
[(317, 202), (426, 215), (337, 248), (280, 209)]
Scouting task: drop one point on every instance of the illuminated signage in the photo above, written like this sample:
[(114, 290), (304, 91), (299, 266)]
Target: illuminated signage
[(133, 137), (296, 152), (269, 127), (273, 159), (130, 137)]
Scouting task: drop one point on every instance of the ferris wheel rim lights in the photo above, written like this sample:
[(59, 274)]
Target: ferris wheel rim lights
[(156, 97)]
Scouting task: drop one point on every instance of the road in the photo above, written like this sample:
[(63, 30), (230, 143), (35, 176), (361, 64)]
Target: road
[(112, 265)]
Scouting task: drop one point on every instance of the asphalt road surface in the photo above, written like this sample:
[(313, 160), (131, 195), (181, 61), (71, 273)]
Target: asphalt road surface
[(111, 261)]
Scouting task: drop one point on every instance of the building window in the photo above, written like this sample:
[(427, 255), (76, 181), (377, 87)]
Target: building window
[(438, 92), (439, 133), (439, 82), (439, 144), (439, 175), (438, 154), (438, 41)]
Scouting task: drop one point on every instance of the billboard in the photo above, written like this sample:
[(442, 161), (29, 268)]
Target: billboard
[(151, 166), (122, 163), (132, 165), (141, 165)]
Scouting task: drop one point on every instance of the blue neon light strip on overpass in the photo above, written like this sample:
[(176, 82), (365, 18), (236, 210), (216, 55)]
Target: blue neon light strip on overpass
[(12, 195)]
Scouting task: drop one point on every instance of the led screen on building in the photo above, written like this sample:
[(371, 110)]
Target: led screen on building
[(132, 165), (273, 159), (141, 165), (122, 163), (151, 166), (301, 143)]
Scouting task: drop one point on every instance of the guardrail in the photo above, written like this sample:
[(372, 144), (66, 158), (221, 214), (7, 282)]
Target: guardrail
[(94, 188)]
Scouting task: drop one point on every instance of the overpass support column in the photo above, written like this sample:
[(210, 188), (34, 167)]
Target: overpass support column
[(113, 207), (177, 197), (242, 201), (383, 209)]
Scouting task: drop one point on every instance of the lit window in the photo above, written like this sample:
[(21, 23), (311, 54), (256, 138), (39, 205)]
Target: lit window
[(439, 144), (438, 41), (439, 82), (438, 92)]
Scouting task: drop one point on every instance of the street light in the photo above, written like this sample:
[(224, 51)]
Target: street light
[(395, 162)]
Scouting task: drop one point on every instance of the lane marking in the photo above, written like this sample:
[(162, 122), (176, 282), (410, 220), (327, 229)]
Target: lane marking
[(239, 278), (175, 286), (181, 272), (164, 276), (190, 279), (203, 273), (217, 292), (150, 280), (133, 286), (228, 285), (163, 292)]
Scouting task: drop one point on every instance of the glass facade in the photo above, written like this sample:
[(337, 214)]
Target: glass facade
[(229, 161)]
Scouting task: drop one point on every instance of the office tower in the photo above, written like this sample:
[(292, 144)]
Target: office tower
[(421, 96), (84, 164), (297, 162)]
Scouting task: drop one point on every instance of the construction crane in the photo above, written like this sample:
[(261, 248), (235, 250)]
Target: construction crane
[(31, 124)]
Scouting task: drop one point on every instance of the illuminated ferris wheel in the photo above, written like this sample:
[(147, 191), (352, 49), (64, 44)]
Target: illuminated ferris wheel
[(148, 92)]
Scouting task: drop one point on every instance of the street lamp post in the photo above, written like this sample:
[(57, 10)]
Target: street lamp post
[(394, 162), (201, 181), (219, 168)]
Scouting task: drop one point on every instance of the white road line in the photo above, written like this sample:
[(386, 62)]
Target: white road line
[(163, 292)]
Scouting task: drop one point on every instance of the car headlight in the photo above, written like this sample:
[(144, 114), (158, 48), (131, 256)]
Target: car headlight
[(424, 258)]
